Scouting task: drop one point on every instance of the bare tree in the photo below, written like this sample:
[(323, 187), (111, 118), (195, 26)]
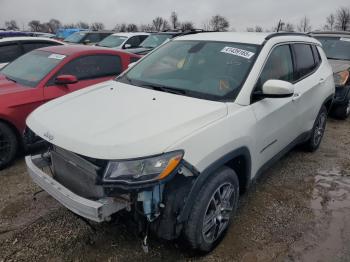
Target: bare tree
[(186, 26), (35, 25), (71, 25), (146, 28), (53, 25), (330, 22), (160, 24), (174, 20), (120, 27), (131, 28), (11, 25), (258, 29), (342, 18), (82, 25), (304, 25), (250, 29), (97, 26), (219, 23), (289, 27)]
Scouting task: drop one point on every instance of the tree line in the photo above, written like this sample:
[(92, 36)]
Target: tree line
[(216, 23), (338, 20)]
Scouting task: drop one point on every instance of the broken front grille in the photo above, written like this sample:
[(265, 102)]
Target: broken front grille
[(79, 174)]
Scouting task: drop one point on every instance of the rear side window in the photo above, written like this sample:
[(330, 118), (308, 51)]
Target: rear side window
[(305, 62), (9, 52), (29, 46), (134, 41), (94, 66), (317, 56), (93, 38), (278, 66)]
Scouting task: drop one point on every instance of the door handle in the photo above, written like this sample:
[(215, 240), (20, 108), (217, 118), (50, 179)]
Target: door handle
[(296, 96), (321, 80)]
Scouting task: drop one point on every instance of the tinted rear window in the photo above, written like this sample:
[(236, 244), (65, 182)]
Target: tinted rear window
[(9, 52), (305, 62)]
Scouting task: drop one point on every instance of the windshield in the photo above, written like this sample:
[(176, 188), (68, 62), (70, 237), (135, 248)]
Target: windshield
[(202, 69), (32, 67), (75, 38), (336, 47), (112, 41), (155, 40)]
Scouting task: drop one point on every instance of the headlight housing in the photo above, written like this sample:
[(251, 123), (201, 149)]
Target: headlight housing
[(341, 78), (143, 170)]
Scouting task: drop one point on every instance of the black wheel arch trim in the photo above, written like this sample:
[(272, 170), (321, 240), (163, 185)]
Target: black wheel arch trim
[(203, 176)]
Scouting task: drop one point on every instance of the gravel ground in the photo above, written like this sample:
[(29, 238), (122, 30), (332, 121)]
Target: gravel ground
[(298, 211)]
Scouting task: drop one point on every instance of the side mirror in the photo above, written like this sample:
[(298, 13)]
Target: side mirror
[(276, 89), (126, 46), (86, 42), (65, 80)]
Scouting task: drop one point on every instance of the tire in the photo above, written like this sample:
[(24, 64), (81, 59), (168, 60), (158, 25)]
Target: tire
[(8, 145), (342, 111), (205, 209), (317, 132)]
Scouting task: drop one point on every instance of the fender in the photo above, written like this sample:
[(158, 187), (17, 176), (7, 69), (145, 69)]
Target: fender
[(204, 175)]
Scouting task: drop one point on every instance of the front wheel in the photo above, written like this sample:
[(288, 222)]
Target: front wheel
[(8, 145), (317, 131), (212, 210)]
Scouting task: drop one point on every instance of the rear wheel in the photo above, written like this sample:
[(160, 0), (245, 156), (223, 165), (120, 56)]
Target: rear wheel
[(212, 211), (317, 132), (342, 111), (8, 145)]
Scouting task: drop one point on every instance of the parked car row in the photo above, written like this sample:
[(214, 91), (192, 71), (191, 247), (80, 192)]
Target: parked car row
[(176, 138)]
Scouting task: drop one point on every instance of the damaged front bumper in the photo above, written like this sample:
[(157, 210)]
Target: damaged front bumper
[(97, 210)]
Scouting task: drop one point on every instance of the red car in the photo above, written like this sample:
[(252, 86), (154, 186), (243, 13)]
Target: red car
[(45, 74)]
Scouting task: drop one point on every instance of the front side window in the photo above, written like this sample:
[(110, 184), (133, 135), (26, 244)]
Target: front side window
[(9, 52), (203, 69), (134, 41), (113, 41), (336, 47), (32, 67), (94, 66), (305, 62), (279, 66), (93, 38)]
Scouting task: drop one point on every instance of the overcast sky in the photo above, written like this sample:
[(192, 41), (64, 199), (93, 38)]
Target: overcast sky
[(240, 13)]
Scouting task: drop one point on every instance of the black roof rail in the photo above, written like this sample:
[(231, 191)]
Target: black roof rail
[(286, 34)]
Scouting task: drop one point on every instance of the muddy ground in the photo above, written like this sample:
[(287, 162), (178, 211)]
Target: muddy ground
[(298, 211)]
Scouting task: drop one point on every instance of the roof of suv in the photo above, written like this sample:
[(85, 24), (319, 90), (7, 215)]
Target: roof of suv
[(248, 37)]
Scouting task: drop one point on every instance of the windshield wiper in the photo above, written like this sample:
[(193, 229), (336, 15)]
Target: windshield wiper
[(10, 79), (166, 89)]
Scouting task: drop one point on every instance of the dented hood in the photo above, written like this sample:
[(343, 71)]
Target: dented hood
[(113, 120)]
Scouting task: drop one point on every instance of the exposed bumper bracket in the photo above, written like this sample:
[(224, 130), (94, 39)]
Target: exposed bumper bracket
[(99, 211)]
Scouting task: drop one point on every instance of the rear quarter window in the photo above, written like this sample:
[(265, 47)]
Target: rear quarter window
[(305, 62)]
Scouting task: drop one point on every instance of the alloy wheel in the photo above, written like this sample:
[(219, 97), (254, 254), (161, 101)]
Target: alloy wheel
[(218, 211), (319, 128)]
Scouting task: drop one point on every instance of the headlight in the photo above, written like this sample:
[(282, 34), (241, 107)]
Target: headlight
[(341, 78), (143, 170)]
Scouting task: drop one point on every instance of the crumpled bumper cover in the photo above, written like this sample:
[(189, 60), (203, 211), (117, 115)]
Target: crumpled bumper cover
[(98, 211)]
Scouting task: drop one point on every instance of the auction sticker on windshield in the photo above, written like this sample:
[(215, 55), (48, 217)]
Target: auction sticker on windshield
[(345, 39), (237, 52), (57, 56)]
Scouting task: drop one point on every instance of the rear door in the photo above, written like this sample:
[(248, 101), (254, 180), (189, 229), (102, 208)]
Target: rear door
[(307, 83), (89, 70), (277, 119)]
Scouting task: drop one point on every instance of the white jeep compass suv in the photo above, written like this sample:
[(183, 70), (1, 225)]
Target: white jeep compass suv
[(179, 136)]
